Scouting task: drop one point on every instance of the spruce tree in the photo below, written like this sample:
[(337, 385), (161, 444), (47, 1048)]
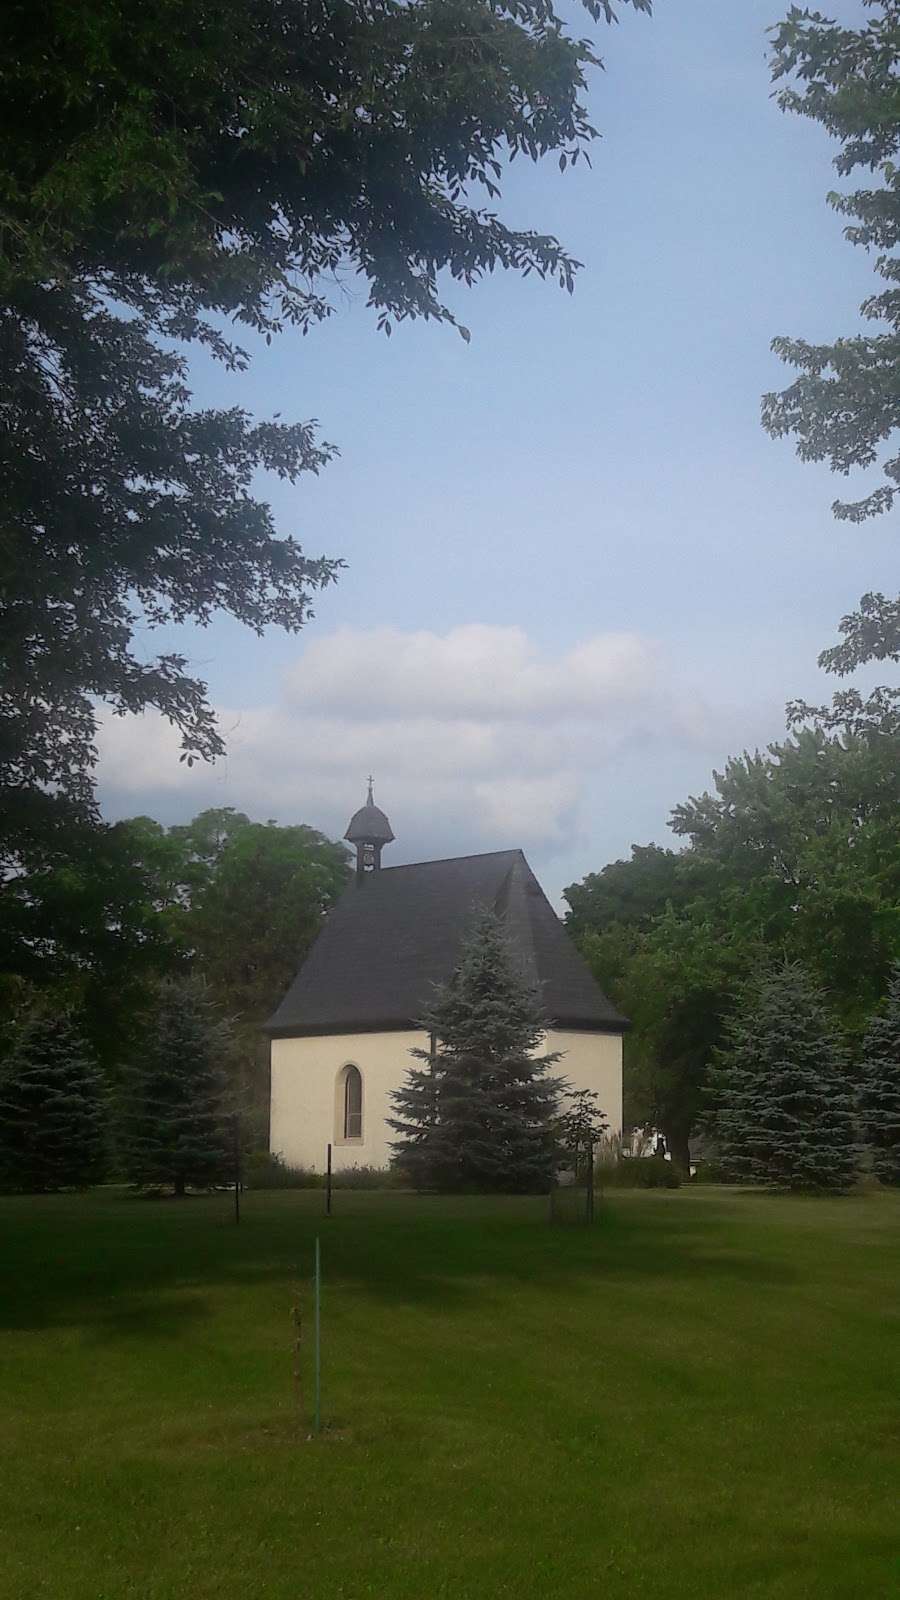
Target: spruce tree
[(479, 1113), (173, 1127), (879, 1087), (53, 1110), (784, 1113)]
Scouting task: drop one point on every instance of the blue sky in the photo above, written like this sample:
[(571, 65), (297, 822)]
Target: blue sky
[(579, 575)]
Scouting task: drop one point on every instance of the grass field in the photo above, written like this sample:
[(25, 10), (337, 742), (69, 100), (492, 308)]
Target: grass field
[(697, 1397)]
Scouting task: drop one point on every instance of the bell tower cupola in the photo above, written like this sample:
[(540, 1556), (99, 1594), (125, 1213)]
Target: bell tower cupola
[(369, 831)]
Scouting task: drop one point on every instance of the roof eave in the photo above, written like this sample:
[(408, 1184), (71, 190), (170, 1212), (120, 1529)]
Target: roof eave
[(308, 1030), (592, 1025), (311, 1030)]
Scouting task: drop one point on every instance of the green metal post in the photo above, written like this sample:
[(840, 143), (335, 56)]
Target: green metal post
[(237, 1169), (318, 1341)]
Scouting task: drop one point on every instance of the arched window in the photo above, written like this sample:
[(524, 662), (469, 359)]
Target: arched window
[(352, 1117)]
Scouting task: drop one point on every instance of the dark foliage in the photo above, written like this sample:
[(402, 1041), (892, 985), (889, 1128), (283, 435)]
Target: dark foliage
[(99, 918), (53, 1109), (174, 1120), (639, 1172), (794, 854), (169, 168), (879, 1086), (252, 920), (91, 925)]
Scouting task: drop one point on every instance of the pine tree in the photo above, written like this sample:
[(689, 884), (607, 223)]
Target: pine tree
[(479, 1114), (879, 1089), (53, 1110), (784, 1113), (173, 1127)]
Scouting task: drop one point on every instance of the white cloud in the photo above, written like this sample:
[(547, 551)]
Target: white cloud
[(530, 808), (472, 672), (478, 739)]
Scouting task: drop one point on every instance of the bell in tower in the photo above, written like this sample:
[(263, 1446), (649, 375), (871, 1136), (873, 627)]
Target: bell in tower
[(369, 831)]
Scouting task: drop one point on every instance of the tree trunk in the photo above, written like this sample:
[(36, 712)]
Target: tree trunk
[(678, 1141), (179, 1185)]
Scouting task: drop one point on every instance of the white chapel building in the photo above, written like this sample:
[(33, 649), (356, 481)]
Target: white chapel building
[(341, 1037)]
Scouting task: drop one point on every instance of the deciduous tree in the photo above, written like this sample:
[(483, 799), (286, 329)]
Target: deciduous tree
[(871, 633), (170, 169), (96, 917), (794, 853), (581, 1125), (844, 406), (253, 921)]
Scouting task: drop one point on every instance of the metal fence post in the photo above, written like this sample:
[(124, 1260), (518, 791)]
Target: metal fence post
[(237, 1168), (317, 1422)]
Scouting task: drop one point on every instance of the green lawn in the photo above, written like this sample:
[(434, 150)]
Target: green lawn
[(697, 1397)]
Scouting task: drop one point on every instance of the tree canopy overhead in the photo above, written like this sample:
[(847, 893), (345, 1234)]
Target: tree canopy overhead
[(167, 168), (230, 157), (844, 405)]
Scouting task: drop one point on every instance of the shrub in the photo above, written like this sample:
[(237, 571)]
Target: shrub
[(368, 1178), (263, 1169), (711, 1171)]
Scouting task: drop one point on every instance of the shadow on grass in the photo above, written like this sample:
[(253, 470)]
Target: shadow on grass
[(158, 1316), (122, 1269)]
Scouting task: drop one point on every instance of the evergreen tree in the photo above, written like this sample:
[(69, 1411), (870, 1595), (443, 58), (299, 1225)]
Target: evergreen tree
[(53, 1113), (879, 1089), (479, 1114), (784, 1114), (173, 1126)]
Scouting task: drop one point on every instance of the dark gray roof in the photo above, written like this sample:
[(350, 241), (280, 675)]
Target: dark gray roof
[(394, 934)]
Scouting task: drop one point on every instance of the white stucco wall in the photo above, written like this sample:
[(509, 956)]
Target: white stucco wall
[(592, 1061), (306, 1110), (306, 1106)]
